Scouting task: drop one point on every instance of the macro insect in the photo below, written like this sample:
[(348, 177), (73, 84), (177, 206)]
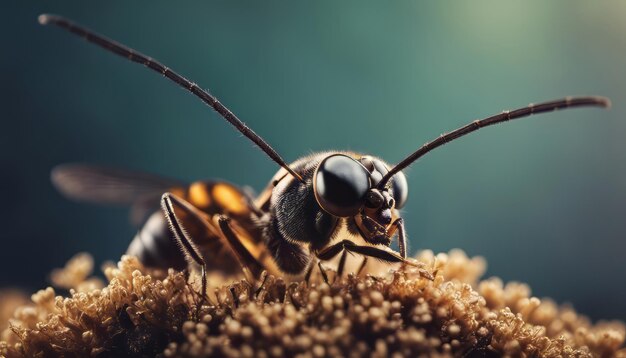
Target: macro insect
[(321, 207)]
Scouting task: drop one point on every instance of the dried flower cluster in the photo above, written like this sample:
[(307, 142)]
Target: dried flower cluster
[(396, 313)]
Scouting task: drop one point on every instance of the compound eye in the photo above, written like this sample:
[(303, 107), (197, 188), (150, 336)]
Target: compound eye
[(340, 185), (400, 189)]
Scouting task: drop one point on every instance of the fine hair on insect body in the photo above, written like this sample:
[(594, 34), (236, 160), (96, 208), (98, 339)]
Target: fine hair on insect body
[(318, 208)]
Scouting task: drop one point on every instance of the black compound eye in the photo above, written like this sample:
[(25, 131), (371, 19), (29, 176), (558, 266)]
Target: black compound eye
[(340, 185), (400, 189)]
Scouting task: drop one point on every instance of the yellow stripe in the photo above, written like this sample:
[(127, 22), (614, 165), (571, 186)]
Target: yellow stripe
[(199, 196), (229, 198)]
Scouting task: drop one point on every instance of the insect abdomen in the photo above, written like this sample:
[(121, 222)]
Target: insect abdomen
[(154, 246)]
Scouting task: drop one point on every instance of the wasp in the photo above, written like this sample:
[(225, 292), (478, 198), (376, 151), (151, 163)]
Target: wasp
[(320, 207)]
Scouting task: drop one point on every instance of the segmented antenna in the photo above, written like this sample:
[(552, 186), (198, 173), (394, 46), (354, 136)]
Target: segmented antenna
[(205, 96), (567, 102)]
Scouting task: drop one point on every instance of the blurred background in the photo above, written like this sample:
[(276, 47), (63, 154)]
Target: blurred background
[(542, 199)]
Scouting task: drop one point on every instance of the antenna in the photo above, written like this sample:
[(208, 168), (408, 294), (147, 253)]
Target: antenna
[(135, 56), (567, 102)]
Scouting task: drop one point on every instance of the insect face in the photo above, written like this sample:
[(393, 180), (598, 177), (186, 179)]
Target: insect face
[(345, 187)]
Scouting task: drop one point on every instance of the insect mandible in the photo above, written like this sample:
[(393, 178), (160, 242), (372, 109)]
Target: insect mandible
[(322, 206)]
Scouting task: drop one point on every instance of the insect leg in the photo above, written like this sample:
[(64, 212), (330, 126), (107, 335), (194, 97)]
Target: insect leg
[(324, 255), (330, 251), (264, 276), (385, 255), (168, 201), (358, 272), (370, 251), (399, 226), (323, 271), (241, 252), (342, 264), (367, 251), (309, 271)]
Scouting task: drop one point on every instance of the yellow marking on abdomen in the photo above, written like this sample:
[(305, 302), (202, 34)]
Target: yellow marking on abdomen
[(199, 195), (229, 198)]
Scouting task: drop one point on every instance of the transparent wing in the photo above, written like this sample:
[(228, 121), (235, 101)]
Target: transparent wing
[(108, 185)]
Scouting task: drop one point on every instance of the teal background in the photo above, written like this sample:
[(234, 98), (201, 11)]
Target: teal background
[(542, 199)]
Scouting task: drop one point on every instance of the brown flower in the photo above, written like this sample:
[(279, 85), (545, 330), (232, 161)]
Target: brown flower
[(145, 313)]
